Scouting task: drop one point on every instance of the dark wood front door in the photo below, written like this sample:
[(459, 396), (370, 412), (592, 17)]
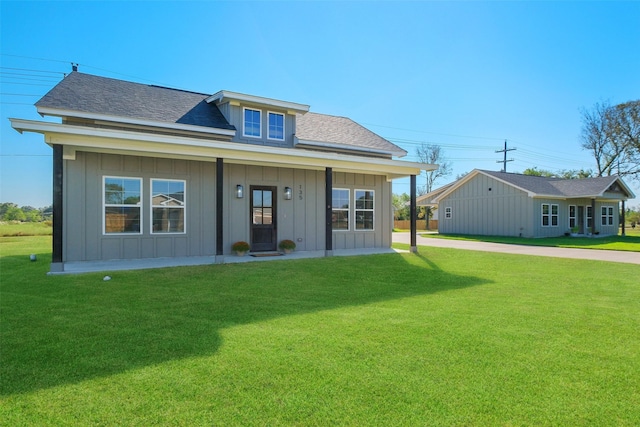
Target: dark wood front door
[(263, 218)]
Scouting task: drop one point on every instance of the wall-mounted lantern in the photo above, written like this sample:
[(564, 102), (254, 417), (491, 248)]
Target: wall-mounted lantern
[(288, 193), (239, 191)]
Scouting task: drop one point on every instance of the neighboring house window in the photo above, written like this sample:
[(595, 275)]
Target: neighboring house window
[(572, 216), (167, 206), (447, 212), (364, 209), (121, 204), (607, 215), (549, 215), (589, 217), (252, 122), (276, 126), (340, 209)]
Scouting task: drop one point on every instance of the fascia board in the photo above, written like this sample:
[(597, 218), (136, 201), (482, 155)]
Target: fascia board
[(103, 140), (347, 147), (46, 111), (223, 95)]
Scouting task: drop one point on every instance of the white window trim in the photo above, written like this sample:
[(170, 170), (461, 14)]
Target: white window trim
[(183, 207), (333, 208), (550, 214), (104, 204), (574, 217), (448, 212), (244, 132), (607, 216), (284, 126), (373, 223), (588, 218)]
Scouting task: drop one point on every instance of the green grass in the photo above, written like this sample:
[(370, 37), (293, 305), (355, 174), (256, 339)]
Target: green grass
[(25, 229), (630, 242), (444, 337)]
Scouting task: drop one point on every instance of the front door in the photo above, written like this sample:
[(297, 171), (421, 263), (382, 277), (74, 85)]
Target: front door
[(263, 218)]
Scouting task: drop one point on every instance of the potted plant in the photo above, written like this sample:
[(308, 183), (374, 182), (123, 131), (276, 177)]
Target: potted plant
[(574, 231), (240, 248), (287, 245)]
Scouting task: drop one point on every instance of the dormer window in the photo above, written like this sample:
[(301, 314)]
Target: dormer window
[(252, 123), (276, 126)]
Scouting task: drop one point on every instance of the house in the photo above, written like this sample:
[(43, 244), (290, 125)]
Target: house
[(510, 204), (143, 171)]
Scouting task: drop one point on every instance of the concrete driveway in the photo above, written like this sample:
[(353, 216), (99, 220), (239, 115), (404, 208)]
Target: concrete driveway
[(593, 254)]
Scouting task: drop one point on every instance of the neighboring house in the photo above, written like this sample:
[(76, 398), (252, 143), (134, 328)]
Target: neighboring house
[(509, 204), (143, 171)]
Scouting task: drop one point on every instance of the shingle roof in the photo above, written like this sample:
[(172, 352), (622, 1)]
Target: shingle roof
[(87, 93), (341, 130), (556, 186)]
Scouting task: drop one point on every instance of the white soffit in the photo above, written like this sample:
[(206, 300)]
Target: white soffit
[(225, 95)]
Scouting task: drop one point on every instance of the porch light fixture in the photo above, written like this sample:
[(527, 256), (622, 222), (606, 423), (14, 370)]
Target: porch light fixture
[(239, 191), (288, 193)]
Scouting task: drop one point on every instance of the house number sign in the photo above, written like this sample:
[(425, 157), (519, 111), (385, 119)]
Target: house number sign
[(300, 192)]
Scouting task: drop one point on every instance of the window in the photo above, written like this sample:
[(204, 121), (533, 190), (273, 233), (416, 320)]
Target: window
[(549, 215), (589, 217), (276, 126), (607, 215), (340, 210), (364, 209), (121, 201), (572, 216), (252, 123), (447, 212), (167, 206)]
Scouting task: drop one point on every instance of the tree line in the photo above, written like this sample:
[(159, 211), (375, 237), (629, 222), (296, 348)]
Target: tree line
[(13, 212)]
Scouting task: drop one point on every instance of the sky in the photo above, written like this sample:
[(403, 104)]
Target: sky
[(463, 75)]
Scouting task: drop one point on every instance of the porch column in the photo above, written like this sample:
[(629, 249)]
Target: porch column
[(593, 217), (328, 197), (413, 215), (219, 205), (623, 219), (58, 215)]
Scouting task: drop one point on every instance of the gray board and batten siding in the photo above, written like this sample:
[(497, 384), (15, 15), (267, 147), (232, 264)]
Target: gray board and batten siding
[(300, 219)]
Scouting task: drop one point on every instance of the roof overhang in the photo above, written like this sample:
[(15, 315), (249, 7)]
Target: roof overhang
[(228, 96), (80, 138), (57, 112), (303, 143)]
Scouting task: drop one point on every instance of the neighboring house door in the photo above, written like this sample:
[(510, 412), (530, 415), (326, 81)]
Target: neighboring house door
[(263, 218)]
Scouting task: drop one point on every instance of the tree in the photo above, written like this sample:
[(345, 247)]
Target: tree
[(534, 171), (432, 154), (14, 213), (401, 206), (563, 173), (612, 135)]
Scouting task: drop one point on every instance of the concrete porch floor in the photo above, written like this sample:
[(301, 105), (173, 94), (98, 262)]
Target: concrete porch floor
[(140, 264)]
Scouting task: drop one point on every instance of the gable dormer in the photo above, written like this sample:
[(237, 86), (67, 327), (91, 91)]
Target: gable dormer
[(258, 120)]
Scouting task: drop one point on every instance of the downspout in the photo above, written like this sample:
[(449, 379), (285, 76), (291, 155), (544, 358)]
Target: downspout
[(413, 215), (57, 264)]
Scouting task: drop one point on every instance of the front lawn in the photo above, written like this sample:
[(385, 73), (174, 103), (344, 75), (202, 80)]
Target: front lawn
[(630, 242), (444, 337)]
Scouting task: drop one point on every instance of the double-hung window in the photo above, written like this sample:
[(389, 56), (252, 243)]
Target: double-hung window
[(589, 217), (122, 203), (252, 123), (276, 126), (549, 215), (572, 216), (167, 206), (340, 209), (607, 215), (364, 209)]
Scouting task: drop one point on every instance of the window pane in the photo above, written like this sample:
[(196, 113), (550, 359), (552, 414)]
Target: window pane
[(168, 220), (257, 215), (554, 220), (364, 220), (340, 199), (122, 219), (340, 220), (276, 126), (267, 199), (554, 209), (545, 209), (545, 220), (121, 191), (252, 122), (257, 198), (267, 216), (167, 193)]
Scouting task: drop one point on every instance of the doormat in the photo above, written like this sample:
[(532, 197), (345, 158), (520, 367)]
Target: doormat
[(266, 254)]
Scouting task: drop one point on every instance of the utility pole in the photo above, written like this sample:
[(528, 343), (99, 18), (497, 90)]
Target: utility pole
[(504, 161)]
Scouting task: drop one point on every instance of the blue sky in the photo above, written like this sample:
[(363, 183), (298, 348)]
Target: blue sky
[(464, 75)]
